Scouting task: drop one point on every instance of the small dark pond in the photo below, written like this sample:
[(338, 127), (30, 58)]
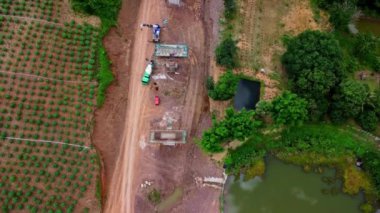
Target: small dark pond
[(247, 94), (369, 26)]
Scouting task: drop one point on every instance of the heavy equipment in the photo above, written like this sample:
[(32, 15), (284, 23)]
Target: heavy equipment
[(147, 73), (156, 29)]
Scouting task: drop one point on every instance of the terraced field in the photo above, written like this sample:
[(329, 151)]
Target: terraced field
[(47, 99)]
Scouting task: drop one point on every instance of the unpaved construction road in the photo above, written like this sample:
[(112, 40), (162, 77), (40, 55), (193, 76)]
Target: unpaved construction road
[(125, 120)]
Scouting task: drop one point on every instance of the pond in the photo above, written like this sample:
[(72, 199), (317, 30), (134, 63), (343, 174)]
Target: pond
[(247, 94), (368, 26), (287, 188)]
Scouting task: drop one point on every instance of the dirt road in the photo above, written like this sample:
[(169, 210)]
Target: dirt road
[(168, 168), (120, 198)]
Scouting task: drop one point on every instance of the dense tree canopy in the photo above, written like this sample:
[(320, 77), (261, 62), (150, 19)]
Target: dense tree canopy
[(105, 9), (226, 53), (313, 61), (289, 109), (235, 125), (326, 4), (225, 88), (349, 100)]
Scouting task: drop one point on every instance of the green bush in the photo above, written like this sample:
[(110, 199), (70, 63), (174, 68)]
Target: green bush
[(341, 15), (371, 161), (289, 109), (365, 49), (226, 53), (244, 156), (349, 100), (235, 126), (368, 120), (229, 9), (225, 88)]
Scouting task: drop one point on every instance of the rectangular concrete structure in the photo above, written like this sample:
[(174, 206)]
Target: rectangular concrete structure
[(171, 50), (175, 2), (167, 137)]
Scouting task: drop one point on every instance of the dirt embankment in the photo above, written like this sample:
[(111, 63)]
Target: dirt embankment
[(123, 124)]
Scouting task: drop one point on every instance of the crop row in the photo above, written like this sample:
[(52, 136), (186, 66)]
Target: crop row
[(47, 99), (43, 177), (40, 109), (49, 10), (57, 52)]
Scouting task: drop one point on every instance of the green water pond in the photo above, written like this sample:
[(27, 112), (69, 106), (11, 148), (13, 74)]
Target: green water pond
[(287, 188)]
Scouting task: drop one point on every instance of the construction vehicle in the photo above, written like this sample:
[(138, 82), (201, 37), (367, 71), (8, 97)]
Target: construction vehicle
[(156, 29), (147, 73)]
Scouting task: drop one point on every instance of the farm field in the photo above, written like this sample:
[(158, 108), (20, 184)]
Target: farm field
[(47, 98)]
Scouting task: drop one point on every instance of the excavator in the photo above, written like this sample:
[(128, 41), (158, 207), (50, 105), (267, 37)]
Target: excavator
[(156, 29)]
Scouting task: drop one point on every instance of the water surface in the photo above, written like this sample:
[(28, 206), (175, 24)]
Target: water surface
[(247, 95), (369, 26), (286, 188)]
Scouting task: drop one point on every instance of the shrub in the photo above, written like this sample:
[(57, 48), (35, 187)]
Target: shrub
[(154, 196), (289, 109), (226, 53), (225, 88), (341, 15), (229, 9), (244, 156), (349, 100), (235, 125), (368, 120)]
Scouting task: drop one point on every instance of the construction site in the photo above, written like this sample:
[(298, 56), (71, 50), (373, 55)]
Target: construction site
[(156, 109)]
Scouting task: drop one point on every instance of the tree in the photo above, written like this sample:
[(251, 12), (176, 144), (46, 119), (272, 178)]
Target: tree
[(226, 53), (289, 109), (349, 100), (225, 88), (313, 61)]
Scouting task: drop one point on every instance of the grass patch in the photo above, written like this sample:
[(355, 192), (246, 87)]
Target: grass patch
[(154, 196), (104, 76), (257, 169)]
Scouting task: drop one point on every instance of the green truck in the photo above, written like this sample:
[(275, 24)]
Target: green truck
[(147, 73)]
